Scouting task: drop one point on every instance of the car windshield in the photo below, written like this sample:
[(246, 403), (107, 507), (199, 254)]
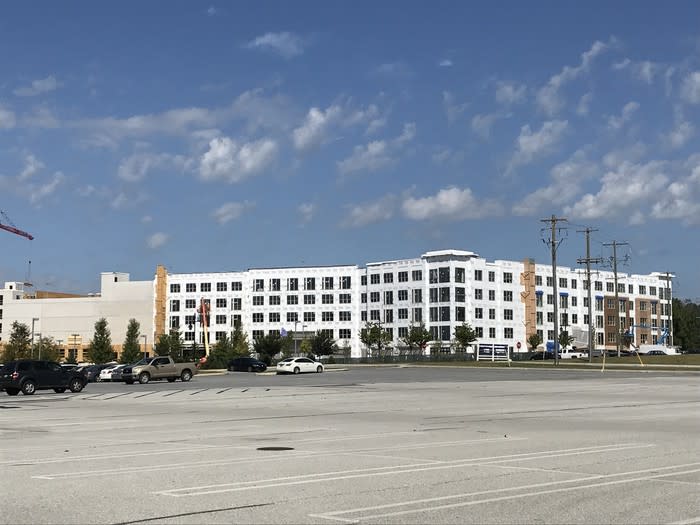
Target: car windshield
[(144, 361)]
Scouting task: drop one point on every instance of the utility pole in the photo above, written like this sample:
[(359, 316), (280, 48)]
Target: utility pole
[(588, 261), (554, 244), (669, 310), (614, 245)]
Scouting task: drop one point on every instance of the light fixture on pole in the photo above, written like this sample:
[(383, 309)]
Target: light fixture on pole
[(34, 319)]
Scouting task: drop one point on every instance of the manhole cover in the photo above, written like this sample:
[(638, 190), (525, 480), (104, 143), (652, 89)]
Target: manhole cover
[(275, 448)]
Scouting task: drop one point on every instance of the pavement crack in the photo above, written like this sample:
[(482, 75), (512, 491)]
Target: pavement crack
[(193, 513)]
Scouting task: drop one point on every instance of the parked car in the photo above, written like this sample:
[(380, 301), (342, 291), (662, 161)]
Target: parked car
[(656, 352), (159, 367), (28, 376), (92, 372), (298, 365), (246, 364), (69, 366), (107, 374), (541, 356)]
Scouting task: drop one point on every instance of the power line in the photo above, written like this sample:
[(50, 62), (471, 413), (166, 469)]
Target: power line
[(588, 260), (614, 245), (554, 244)]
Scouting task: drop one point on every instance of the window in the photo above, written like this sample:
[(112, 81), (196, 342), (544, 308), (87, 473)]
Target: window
[(460, 295), (292, 284), (599, 305), (374, 278), (259, 285), (492, 333), (258, 300), (363, 298), (550, 317), (508, 314), (492, 295), (652, 290), (220, 319), (309, 299), (221, 287), (460, 313), (478, 294), (221, 302), (492, 313), (492, 277), (403, 277), (344, 298), (273, 317), (327, 298), (309, 283), (508, 333), (236, 286), (550, 299), (388, 297), (363, 280), (258, 317), (479, 331), (585, 319), (403, 295), (388, 316), (236, 303), (275, 285), (328, 283), (539, 318), (292, 317), (538, 280), (174, 305), (478, 313), (563, 282), (611, 320), (433, 276), (573, 284), (274, 300), (374, 315), (610, 287), (374, 297), (444, 336), (563, 301), (345, 316), (345, 282), (574, 318), (574, 301), (403, 332), (444, 274), (388, 278), (403, 313), (507, 277), (478, 275), (258, 334), (417, 315), (174, 322), (205, 287), (174, 288), (236, 320), (598, 286), (292, 299), (433, 314), (344, 333), (190, 287), (538, 300), (417, 275), (550, 281), (309, 317), (630, 289), (508, 296), (189, 336), (433, 295), (418, 296), (642, 289), (599, 321)]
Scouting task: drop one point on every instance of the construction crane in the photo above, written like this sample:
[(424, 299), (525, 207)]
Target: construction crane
[(7, 225)]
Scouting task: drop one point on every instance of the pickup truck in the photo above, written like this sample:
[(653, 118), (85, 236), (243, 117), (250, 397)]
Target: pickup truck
[(571, 353), (159, 367)]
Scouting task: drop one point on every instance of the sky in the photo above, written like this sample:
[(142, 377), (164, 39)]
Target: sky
[(234, 135)]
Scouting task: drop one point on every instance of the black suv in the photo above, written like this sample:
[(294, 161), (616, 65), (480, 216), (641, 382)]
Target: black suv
[(31, 375), (246, 364)]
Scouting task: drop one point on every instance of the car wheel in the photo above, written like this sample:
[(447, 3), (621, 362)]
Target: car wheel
[(171, 379), (144, 377), (250, 369), (75, 385), (28, 387), (12, 391), (59, 390), (186, 376), (296, 370), (319, 369)]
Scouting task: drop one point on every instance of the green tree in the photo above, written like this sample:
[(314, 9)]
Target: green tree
[(19, 345), (417, 339), (268, 346), (323, 343), (533, 341), (686, 325), (100, 349), (239, 342), (464, 335), (170, 344), (221, 353), (565, 339), (131, 351), (376, 339), (45, 348), (71, 359)]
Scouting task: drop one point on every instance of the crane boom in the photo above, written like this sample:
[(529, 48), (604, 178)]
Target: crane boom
[(12, 228)]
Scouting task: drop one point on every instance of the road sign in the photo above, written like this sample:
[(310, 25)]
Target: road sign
[(517, 345)]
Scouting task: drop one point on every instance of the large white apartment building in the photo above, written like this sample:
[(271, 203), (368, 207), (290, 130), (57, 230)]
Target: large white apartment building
[(505, 301)]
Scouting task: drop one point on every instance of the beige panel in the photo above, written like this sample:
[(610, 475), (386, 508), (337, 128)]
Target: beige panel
[(161, 289), (527, 297)]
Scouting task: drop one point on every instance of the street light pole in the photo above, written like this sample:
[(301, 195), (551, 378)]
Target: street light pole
[(145, 339), (34, 319), (296, 353)]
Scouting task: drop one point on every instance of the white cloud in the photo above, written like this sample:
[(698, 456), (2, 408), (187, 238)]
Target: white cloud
[(690, 88), (681, 200), (644, 70), (508, 93), (680, 135), (530, 145), (38, 192), (146, 219), (622, 64), (370, 213), (317, 124), (377, 154), (482, 124), (584, 104), (286, 44), (38, 87), (624, 193), (629, 154), (306, 210), (211, 10), (549, 98), (32, 165), (7, 118), (157, 240), (445, 62), (375, 125), (450, 204), (393, 69), (40, 117), (231, 210), (137, 166), (453, 110), (616, 122), (119, 201), (565, 185), (226, 160)]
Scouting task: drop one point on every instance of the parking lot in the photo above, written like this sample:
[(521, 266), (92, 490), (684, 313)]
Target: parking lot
[(365, 445)]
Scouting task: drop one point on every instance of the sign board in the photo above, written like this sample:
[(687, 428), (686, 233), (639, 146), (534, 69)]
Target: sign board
[(492, 352), (518, 345)]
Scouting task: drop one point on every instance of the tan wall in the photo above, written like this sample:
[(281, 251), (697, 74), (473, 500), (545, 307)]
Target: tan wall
[(160, 300), (528, 298)]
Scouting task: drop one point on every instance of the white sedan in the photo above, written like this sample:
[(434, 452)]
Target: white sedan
[(106, 373), (298, 365)]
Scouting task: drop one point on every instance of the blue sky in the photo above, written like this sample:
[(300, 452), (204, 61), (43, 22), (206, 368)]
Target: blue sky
[(224, 136)]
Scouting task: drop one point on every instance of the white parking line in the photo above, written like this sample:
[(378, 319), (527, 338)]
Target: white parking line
[(689, 521), (336, 515)]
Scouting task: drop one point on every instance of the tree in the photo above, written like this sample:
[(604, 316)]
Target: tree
[(417, 338), (375, 338), (686, 325), (170, 344), (464, 335), (533, 341), (19, 345), (45, 348), (565, 339), (239, 342), (100, 349), (131, 351), (268, 346), (322, 343), (221, 353)]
